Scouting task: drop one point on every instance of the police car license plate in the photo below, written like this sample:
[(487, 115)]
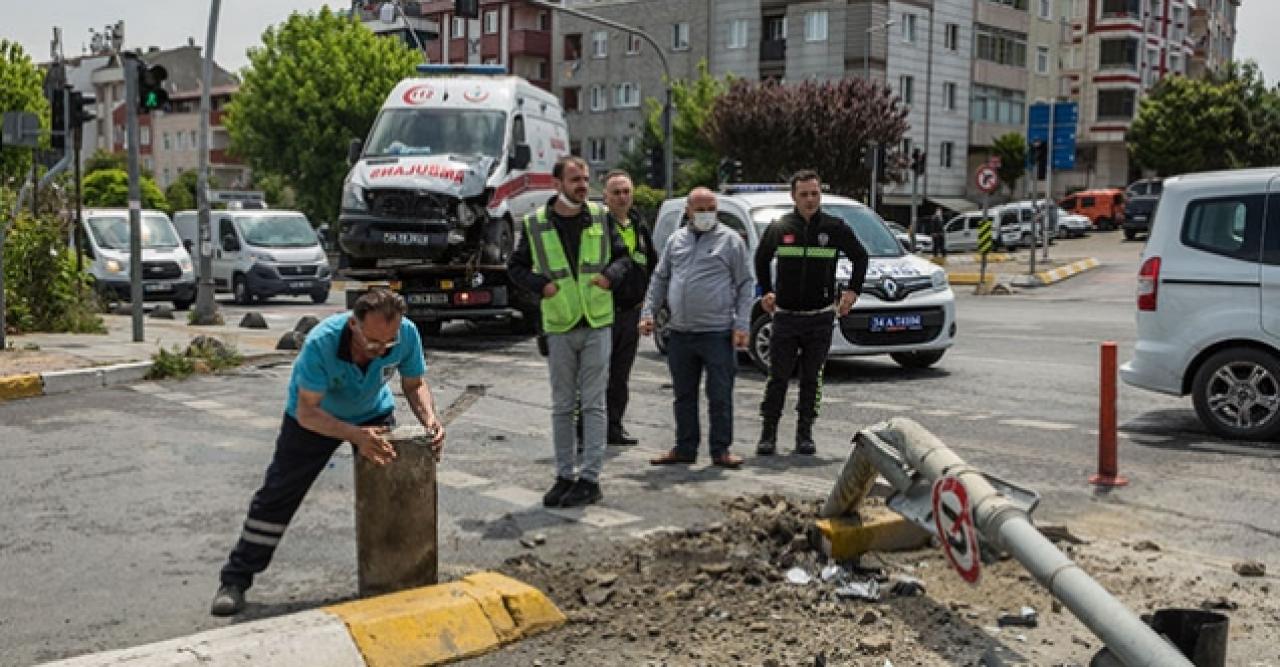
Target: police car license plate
[(157, 287), (896, 323), (406, 238)]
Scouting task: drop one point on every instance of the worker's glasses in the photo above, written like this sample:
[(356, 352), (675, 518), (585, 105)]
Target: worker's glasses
[(371, 345)]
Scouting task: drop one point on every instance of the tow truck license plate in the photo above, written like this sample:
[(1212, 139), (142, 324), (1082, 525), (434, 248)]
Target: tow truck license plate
[(428, 299), (895, 323), (406, 238)]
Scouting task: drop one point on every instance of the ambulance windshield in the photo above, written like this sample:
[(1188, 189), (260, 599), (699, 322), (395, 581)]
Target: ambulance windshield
[(437, 132)]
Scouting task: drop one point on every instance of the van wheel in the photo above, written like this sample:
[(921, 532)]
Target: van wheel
[(1236, 394), (1105, 224), (1130, 234), (920, 360), (182, 304), (429, 329), (320, 297), (758, 343), (240, 289)]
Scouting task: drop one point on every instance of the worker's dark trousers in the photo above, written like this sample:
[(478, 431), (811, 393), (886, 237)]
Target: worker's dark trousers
[(299, 458), (626, 339), (803, 341)]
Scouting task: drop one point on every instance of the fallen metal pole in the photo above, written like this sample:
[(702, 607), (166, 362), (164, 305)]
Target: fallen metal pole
[(907, 454)]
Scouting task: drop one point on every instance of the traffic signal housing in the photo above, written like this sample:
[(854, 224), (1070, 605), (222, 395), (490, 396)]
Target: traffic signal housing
[(57, 121), (82, 108), (151, 93), (730, 171), (1040, 157), (655, 167), (917, 161)]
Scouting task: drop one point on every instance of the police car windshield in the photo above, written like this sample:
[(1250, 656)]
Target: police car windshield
[(277, 231), (437, 132), (875, 237), (112, 232)]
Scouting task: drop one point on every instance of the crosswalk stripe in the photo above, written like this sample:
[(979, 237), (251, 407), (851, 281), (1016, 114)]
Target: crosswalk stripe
[(204, 405), (457, 479), (1037, 424), (147, 388)]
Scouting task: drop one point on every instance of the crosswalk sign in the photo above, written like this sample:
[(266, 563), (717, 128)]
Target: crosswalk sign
[(986, 243)]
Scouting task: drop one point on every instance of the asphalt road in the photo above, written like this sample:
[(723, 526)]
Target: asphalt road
[(120, 504)]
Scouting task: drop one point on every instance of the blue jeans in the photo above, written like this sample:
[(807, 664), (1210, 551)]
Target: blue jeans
[(687, 355)]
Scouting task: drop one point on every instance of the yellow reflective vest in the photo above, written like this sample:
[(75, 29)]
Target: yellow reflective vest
[(576, 298)]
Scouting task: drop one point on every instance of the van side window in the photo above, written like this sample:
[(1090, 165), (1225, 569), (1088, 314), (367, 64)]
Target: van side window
[(1009, 219), (225, 229), (1069, 203), (517, 130), (1271, 234), (1088, 202), (1228, 226)]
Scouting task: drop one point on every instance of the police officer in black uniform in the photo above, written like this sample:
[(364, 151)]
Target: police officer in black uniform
[(804, 303)]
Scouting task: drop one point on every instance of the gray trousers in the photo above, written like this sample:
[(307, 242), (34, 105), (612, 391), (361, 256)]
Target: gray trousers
[(578, 362)]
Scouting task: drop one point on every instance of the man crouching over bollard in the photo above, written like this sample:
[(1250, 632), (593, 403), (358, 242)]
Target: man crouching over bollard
[(338, 392)]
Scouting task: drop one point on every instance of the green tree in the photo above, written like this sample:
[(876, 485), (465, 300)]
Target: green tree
[(21, 89), (109, 188), (777, 129), (181, 193), (42, 289), (102, 159), (1188, 125), (1011, 148), (275, 191), (316, 82), (696, 154)]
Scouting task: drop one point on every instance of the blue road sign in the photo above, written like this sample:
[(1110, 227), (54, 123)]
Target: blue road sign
[(1065, 117)]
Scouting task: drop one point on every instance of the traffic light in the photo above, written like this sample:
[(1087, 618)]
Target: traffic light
[(882, 164), (151, 93), (655, 167), (917, 161), (466, 9), (730, 171), (1040, 156), (82, 108), (57, 124)]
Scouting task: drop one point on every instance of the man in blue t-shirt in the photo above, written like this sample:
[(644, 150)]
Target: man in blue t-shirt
[(338, 392)]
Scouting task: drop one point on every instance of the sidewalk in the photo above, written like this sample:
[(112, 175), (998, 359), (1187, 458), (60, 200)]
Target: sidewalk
[(44, 363)]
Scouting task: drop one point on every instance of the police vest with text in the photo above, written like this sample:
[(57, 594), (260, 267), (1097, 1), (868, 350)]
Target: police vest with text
[(578, 297)]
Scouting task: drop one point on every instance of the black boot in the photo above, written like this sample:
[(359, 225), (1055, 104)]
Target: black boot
[(804, 438), (768, 444), (584, 492), (557, 492)]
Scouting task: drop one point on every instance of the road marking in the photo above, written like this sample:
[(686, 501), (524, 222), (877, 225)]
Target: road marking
[(148, 388), (460, 480), (205, 405), (939, 413), (650, 377), (1037, 424), (265, 423), (656, 531), (177, 396), (234, 413), (974, 418), (594, 515), (515, 496), (891, 407)]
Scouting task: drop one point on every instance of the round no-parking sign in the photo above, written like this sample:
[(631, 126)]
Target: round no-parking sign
[(954, 521), (986, 179)]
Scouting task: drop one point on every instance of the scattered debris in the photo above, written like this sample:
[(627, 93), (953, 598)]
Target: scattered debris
[(875, 645), (1219, 603), (1250, 568), (1025, 618), (867, 590), (595, 595), (1146, 545), (904, 586), (798, 576), (1058, 532)]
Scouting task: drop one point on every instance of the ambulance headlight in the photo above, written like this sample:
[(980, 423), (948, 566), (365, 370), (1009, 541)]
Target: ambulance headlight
[(353, 197)]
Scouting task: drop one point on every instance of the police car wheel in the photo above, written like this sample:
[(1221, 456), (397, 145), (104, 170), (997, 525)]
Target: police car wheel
[(758, 345)]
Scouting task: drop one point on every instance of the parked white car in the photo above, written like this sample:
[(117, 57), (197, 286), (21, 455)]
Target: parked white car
[(1209, 301), (962, 231), (906, 309), (923, 242)]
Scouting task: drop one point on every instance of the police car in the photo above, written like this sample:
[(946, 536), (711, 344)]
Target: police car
[(906, 308)]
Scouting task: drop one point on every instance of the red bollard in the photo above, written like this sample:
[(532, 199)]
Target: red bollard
[(1108, 469)]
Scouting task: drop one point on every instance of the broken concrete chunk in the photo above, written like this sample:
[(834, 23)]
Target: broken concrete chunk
[(1025, 618), (1250, 568)]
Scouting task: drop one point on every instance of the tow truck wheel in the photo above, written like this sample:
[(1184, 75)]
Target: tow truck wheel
[(498, 241), (431, 328)]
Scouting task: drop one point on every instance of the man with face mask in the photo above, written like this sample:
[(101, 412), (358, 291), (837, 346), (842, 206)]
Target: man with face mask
[(570, 256), (704, 279)]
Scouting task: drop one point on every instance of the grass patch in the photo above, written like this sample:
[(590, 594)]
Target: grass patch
[(203, 355)]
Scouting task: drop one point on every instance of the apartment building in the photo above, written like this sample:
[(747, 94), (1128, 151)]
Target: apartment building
[(1213, 36), (511, 33), (1002, 79)]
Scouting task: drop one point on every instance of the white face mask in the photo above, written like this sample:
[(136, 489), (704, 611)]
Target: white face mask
[(703, 221), (564, 199)]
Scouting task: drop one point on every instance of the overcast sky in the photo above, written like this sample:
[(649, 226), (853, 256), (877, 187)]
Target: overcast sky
[(168, 23)]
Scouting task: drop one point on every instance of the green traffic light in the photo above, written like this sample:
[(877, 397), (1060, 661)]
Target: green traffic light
[(151, 101)]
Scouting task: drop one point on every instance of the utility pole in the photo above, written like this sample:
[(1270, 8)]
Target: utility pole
[(131, 64), (1051, 214), (206, 306), (876, 148), (668, 113)]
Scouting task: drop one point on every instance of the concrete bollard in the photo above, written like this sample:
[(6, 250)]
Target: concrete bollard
[(396, 516)]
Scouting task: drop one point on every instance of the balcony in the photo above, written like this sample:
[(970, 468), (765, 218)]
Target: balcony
[(773, 49), (531, 43)]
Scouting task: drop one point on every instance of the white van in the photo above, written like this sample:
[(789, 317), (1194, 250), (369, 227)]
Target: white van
[(454, 161), (258, 254), (167, 274)]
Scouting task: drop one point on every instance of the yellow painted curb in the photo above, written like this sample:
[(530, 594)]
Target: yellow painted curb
[(20, 386), (436, 624), (969, 277), (846, 538), (1063, 272), (993, 257)]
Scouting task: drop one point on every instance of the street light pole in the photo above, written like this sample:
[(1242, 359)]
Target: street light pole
[(206, 306), (668, 113), (866, 69)]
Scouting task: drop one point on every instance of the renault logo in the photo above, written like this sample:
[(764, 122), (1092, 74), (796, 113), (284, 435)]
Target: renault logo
[(890, 288)]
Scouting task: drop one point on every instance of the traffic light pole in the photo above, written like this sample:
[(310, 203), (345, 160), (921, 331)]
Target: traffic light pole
[(668, 111), (135, 197), (206, 306)]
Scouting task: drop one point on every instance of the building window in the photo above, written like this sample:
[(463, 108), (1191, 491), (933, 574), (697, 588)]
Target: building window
[(815, 26), (165, 138), (1153, 67), (600, 44), (597, 98), (989, 104), (679, 36), (1121, 53), (459, 27), (1016, 4), (629, 145), (145, 136), (628, 96), (194, 145), (572, 47), (1119, 8), (1042, 60), (1176, 15), (906, 145), (946, 154), (775, 29), (491, 61), (906, 86), (1175, 64), (597, 150), (1002, 47), (633, 44), (491, 22), (1116, 104), (738, 34), (544, 70), (165, 180), (909, 28), (572, 99), (544, 20), (951, 38), (1046, 9), (949, 96)]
